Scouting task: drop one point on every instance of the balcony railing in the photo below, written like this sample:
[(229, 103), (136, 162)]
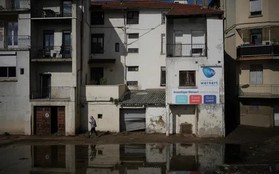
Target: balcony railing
[(186, 50), (259, 90), (257, 50), (51, 52), (15, 42), (54, 92), (12, 5)]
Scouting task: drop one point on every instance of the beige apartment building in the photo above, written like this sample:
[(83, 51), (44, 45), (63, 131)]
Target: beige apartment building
[(251, 32)]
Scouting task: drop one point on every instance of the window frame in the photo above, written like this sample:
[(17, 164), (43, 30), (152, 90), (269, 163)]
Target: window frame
[(133, 50), (132, 83), (133, 35), (255, 13), (97, 18), (10, 72), (100, 42), (132, 17), (133, 68), (163, 76), (187, 82)]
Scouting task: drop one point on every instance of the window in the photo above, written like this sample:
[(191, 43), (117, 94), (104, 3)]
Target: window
[(132, 83), (255, 7), (12, 34), (163, 43), (97, 43), (187, 78), (67, 8), (133, 35), (256, 36), (132, 17), (133, 68), (256, 74), (116, 47), (48, 43), (163, 76), (133, 50), (198, 43), (7, 71), (96, 75), (21, 71), (163, 20), (97, 18), (100, 116)]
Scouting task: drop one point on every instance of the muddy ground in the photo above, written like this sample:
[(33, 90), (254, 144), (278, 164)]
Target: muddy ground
[(258, 147)]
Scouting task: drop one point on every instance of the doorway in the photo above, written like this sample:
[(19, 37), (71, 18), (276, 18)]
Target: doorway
[(45, 85)]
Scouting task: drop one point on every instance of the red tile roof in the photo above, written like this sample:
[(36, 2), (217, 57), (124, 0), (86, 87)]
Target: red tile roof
[(174, 8)]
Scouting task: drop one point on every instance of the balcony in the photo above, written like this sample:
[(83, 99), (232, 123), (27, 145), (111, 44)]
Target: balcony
[(245, 51), (54, 93), (15, 42), (104, 92), (52, 53), (259, 91), (186, 50), (14, 5)]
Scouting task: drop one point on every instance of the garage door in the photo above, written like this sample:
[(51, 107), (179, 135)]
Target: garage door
[(132, 119)]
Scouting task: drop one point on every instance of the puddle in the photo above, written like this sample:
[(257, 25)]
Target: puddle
[(127, 158)]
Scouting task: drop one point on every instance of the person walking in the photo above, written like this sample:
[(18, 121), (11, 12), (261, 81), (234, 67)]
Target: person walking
[(93, 126)]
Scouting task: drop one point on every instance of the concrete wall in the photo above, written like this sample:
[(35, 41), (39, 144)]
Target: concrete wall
[(110, 120), (104, 92), (155, 120), (15, 111)]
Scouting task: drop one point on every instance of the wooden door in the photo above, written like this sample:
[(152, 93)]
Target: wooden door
[(43, 120)]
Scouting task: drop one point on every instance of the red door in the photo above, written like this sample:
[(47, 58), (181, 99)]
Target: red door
[(43, 120)]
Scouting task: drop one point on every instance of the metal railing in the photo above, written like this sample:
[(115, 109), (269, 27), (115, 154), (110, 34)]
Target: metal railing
[(257, 50), (259, 90), (15, 5), (52, 52), (186, 50), (53, 92), (45, 13), (15, 41)]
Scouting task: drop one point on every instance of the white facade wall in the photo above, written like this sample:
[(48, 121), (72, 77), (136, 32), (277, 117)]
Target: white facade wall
[(155, 120), (15, 111), (207, 119), (110, 120), (149, 58)]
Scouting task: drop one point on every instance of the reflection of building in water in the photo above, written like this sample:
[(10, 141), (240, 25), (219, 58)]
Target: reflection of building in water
[(154, 158), (53, 159)]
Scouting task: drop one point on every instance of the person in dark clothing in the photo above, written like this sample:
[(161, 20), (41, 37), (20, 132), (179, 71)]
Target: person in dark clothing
[(93, 126)]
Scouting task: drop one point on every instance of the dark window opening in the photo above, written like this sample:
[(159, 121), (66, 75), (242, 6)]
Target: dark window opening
[(163, 76), (97, 18), (132, 17), (133, 50), (97, 74), (116, 47), (187, 78), (133, 68), (133, 35), (132, 83), (97, 43), (100, 116), (21, 71), (7, 71)]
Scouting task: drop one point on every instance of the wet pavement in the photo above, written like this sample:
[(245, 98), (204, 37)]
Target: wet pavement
[(155, 158)]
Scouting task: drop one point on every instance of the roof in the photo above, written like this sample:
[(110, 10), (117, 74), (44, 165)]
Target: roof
[(151, 97), (173, 8)]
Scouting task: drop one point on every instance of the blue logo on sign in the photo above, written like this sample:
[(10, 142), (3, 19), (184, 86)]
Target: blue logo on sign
[(208, 72)]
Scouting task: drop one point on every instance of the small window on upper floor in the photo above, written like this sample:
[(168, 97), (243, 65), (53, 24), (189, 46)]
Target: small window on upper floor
[(132, 17), (7, 71), (163, 20), (97, 43), (133, 68), (133, 50), (255, 7), (163, 76), (133, 35), (187, 78), (97, 18)]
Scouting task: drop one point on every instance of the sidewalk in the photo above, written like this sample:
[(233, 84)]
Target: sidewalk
[(241, 135)]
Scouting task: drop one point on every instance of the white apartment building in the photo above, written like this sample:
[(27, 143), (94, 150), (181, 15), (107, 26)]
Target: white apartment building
[(194, 66), (134, 44), (40, 73), (15, 109)]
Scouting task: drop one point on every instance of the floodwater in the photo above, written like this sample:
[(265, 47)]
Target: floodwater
[(120, 158)]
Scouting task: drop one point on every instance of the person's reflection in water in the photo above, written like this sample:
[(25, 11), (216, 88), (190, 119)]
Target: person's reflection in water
[(92, 152)]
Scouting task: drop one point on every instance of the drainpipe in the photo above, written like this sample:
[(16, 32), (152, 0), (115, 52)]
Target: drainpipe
[(168, 120)]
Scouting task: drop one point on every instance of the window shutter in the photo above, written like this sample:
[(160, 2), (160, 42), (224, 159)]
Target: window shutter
[(255, 5)]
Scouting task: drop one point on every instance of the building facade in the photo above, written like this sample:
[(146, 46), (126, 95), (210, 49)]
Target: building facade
[(195, 68), (15, 43), (251, 38)]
